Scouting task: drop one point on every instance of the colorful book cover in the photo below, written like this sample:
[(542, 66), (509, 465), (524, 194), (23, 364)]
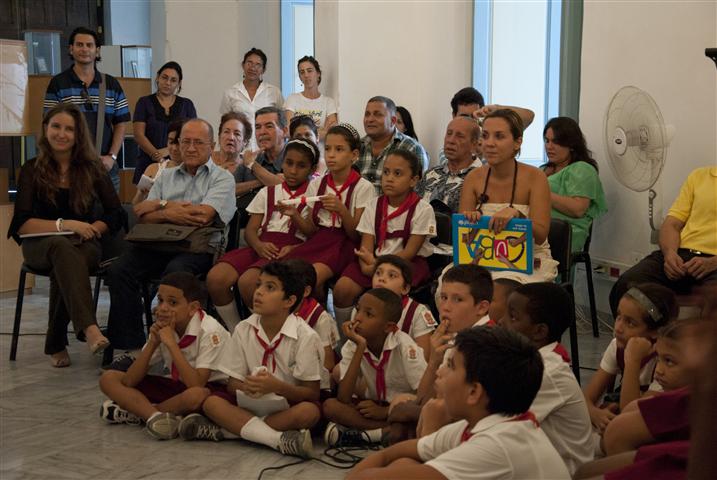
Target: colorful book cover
[(511, 249)]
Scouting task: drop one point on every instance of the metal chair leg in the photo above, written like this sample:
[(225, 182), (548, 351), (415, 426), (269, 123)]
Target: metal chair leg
[(591, 295), (573, 330), (147, 301), (96, 297), (18, 315)]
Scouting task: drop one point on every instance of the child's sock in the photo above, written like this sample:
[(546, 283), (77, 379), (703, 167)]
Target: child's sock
[(375, 434), (257, 431), (229, 314)]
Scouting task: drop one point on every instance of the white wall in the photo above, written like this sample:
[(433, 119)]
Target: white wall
[(208, 39), (660, 49), (419, 55)]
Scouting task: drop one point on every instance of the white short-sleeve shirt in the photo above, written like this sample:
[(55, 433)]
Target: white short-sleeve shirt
[(299, 356), (325, 326), (403, 370), (317, 108), (236, 99), (562, 412), (277, 222), (498, 449), (609, 364), (422, 223), (362, 194), (204, 352), (423, 320)]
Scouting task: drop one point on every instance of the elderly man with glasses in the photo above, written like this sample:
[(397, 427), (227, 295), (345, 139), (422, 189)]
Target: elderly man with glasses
[(197, 193)]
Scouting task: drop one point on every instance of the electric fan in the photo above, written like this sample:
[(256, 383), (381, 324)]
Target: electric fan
[(636, 140)]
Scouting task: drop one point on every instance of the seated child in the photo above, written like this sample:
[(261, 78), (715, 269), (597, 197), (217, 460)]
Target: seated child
[(398, 222), (394, 273), (188, 342), (314, 313), (464, 300), (272, 232), (502, 288), (488, 384), (387, 359), (542, 312), (272, 351), (641, 312), (665, 418), (344, 196)]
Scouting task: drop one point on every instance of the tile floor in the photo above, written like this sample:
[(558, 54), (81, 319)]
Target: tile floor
[(49, 424)]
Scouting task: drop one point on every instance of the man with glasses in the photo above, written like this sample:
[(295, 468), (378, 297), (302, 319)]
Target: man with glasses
[(196, 193), (81, 84)]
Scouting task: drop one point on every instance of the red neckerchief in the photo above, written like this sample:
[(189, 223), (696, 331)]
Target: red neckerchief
[(352, 178), (411, 200), (268, 350), (404, 301), (307, 306), (380, 373), (297, 193), (183, 343), (560, 350), (528, 415), (467, 434)]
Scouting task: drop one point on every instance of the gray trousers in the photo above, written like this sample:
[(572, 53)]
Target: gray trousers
[(70, 265)]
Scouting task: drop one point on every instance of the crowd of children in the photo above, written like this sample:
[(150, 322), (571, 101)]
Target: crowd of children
[(484, 391)]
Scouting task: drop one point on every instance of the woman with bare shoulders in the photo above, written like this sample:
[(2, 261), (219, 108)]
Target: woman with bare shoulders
[(504, 189)]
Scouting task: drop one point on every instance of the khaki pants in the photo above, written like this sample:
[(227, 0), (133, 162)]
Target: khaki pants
[(70, 265)]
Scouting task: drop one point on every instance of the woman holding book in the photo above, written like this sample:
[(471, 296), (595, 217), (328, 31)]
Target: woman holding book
[(65, 203), (505, 189)]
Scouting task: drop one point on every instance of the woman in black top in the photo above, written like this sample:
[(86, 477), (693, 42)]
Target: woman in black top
[(65, 200)]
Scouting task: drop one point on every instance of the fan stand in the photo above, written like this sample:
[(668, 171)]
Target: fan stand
[(654, 232)]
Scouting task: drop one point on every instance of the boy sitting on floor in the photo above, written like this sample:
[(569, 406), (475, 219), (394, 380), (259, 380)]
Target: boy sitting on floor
[(189, 342), (488, 383), (387, 359)]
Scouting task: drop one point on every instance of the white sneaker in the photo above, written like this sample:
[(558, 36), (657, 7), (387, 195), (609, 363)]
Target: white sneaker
[(163, 426), (110, 412)]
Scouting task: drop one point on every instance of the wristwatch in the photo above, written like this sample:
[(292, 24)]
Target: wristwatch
[(114, 157), (162, 204)]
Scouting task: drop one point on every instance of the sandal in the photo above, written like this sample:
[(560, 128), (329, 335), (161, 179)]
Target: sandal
[(61, 361), (99, 346)]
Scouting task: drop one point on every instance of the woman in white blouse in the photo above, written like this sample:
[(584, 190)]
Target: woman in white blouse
[(252, 93), (311, 102)]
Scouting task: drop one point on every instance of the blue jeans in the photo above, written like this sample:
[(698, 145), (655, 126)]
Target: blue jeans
[(125, 328)]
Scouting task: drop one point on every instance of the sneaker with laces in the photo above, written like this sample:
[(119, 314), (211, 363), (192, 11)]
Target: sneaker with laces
[(337, 436), (120, 362), (110, 412), (163, 426), (199, 427), (297, 443)]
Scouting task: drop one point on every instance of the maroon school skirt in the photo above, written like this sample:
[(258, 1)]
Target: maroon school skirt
[(242, 259), (160, 389), (419, 267), (329, 246)]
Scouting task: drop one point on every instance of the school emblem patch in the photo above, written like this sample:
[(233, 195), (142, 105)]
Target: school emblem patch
[(411, 353), (216, 340), (432, 230), (430, 321)]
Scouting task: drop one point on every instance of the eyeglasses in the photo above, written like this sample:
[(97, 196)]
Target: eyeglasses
[(186, 142), (86, 97), (251, 64)]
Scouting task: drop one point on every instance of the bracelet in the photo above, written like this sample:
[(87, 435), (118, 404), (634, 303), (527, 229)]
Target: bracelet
[(58, 224)]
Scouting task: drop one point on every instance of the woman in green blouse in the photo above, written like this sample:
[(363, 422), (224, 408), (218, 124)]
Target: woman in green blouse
[(576, 192)]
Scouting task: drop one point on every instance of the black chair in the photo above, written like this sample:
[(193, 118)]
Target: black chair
[(584, 257), (560, 238)]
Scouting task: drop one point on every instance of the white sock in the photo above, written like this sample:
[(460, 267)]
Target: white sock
[(343, 314), (257, 431), (375, 434), (229, 314)]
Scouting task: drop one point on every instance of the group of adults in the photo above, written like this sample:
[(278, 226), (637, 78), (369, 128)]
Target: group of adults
[(66, 190)]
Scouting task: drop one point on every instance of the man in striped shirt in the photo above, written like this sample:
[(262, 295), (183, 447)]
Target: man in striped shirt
[(80, 84)]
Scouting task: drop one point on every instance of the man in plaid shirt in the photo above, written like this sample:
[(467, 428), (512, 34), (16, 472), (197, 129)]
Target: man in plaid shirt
[(382, 138)]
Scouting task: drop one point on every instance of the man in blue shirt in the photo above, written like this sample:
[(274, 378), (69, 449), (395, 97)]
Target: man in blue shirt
[(80, 84), (196, 193)]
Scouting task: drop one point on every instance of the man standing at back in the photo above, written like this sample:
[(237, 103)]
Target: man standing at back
[(382, 137), (81, 84)]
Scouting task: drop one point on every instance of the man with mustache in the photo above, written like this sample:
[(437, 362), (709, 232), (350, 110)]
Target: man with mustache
[(261, 168)]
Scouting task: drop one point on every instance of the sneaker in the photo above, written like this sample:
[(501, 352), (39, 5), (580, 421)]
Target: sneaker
[(297, 443), (199, 427), (163, 426), (337, 436), (120, 362), (110, 412)]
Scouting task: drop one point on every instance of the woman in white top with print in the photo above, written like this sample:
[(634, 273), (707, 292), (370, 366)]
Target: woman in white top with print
[(253, 92), (311, 102)]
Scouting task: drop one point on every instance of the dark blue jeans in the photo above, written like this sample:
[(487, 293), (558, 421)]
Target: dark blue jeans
[(125, 328)]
